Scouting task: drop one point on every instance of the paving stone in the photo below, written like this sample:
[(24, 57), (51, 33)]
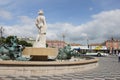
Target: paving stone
[(46, 76), (31, 78), (89, 77), (109, 78), (43, 78), (98, 78), (101, 77), (10, 77), (6, 79), (18, 79), (66, 78), (53, 78), (117, 78), (77, 79), (35, 76), (22, 77), (80, 78), (1, 78)]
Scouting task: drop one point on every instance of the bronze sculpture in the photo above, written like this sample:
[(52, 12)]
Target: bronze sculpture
[(12, 51)]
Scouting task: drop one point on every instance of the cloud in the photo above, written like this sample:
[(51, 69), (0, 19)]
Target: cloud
[(24, 28), (55, 31), (17, 30), (5, 14), (26, 20), (108, 23), (5, 2), (103, 26), (90, 8)]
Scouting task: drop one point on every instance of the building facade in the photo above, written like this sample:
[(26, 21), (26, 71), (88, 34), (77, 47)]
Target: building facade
[(55, 43), (113, 46)]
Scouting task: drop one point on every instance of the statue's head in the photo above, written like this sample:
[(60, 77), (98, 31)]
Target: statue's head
[(40, 12)]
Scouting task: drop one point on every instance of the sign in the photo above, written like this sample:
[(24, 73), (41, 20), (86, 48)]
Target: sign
[(98, 47)]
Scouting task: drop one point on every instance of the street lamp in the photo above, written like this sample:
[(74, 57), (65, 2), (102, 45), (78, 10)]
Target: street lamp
[(88, 43), (63, 36), (112, 45), (1, 33)]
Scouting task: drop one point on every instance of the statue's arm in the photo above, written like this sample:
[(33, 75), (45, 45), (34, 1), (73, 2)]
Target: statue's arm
[(36, 22), (44, 21)]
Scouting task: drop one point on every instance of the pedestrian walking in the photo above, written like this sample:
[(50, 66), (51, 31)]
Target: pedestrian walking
[(119, 57)]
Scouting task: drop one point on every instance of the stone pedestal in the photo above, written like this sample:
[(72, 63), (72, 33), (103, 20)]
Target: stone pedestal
[(41, 53)]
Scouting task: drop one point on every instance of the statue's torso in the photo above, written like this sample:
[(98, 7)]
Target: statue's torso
[(41, 23), (40, 20)]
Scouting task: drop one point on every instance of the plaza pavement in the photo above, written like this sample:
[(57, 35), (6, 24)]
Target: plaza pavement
[(108, 69)]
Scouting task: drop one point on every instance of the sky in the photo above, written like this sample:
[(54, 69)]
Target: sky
[(79, 20)]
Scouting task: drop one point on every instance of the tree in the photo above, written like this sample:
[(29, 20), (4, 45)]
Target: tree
[(46, 45), (20, 42), (8, 39), (25, 43), (2, 40)]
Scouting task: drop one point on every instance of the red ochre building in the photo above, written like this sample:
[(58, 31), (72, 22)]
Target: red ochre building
[(55, 43), (113, 45), (59, 44)]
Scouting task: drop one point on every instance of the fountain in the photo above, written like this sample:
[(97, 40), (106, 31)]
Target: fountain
[(35, 60)]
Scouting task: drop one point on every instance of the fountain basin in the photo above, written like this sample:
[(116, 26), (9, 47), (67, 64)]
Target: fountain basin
[(29, 68)]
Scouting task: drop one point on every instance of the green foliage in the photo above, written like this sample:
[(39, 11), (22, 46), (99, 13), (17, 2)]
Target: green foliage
[(8, 39), (25, 43), (20, 42), (46, 45), (83, 52), (2, 40)]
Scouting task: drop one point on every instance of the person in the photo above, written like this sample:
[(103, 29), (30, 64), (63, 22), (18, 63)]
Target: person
[(41, 25), (119, 57)]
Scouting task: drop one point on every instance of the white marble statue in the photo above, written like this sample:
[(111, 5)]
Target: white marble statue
[(41, 25)]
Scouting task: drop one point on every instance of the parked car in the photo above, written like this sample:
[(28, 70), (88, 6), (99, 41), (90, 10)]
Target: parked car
[(96, 54)]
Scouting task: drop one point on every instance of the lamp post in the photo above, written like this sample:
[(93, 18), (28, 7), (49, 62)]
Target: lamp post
[(88, 43), (63, 36), (112, 45), (1, 33)]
